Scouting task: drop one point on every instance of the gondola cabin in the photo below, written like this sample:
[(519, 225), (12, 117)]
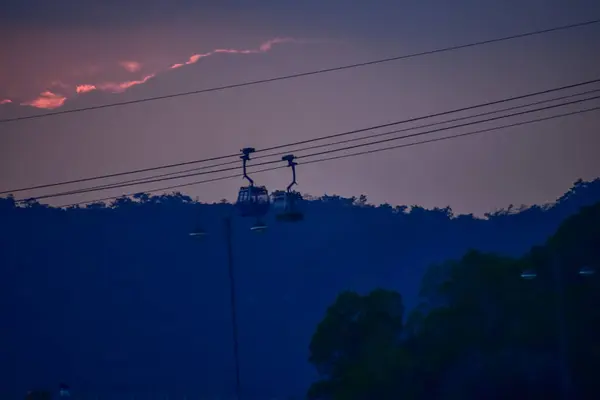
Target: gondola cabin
[(288, 206), (253, 201)]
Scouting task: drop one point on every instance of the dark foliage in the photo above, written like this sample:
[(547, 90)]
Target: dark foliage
[(116, 296), (482, 332)]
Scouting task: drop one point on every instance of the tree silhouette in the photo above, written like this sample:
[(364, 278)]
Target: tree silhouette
[(354, 347), (480, 332), (120, 292)]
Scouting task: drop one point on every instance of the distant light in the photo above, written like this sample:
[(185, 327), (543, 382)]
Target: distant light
[(198, 233), (528, 274), (64, 390), (259, 227), (586, 271)]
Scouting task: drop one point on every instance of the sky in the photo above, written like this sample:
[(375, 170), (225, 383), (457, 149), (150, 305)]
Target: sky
[(73, 54)]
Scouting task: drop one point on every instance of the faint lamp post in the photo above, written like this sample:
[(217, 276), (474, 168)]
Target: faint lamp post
[(565, 371), (200, 233)]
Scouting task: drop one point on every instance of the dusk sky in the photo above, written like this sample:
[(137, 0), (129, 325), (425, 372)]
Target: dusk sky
[(73, 54)]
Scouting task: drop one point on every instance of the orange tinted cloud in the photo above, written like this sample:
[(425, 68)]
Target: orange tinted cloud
[(263, 48), (131, 66), (6, 101), (122, 86), (268, 45), (47, 100), (84, 88)]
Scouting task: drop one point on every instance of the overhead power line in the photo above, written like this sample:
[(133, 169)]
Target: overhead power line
[(106, 176), (174, 174), (341, 134), (308, 73), (452, 127), (365, 152), (322, 152), (456, 136), (318, 146), (440, 114)]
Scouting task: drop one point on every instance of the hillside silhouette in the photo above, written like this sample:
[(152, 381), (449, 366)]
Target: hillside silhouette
[(489, 327), (110, 298)]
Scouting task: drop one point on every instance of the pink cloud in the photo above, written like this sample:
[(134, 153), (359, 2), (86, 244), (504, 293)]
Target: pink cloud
[(47, 100), (122, 86), (268, 45), (5, 101), (263, 48), (131, 66), (84, 88), (50, 100)]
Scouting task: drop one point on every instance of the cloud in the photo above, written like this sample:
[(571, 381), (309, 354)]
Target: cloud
[(131, 66), (113, 87), (268, 45), (47, 99), (122, 86), (84, 88), (263, 48), (5, 101)]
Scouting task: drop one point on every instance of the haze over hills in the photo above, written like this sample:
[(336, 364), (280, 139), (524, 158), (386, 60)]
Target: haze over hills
[(114, 297)]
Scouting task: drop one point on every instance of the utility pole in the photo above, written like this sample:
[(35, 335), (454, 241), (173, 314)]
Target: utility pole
[(563, 345), (234, 326)]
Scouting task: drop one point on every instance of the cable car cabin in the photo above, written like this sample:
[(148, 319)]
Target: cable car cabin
[(288, 206), (253, 201)]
